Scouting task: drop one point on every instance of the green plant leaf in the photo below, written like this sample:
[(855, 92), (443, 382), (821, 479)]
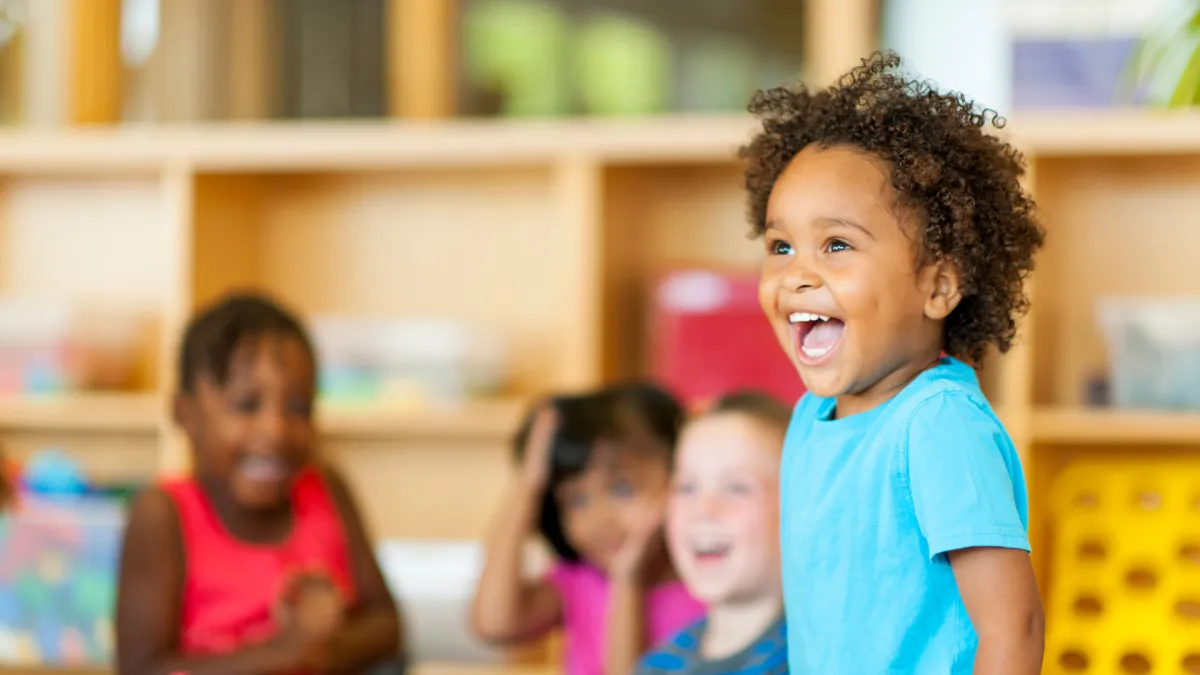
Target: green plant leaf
[(1188, 82), (1145, 64)]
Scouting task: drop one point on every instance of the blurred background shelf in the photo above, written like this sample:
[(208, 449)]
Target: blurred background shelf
[(485, 419), (232, 148), (1106, 132), (1098, 427), (145, 412), (125, 412)]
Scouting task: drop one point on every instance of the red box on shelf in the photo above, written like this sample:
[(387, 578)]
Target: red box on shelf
[(709, 337)]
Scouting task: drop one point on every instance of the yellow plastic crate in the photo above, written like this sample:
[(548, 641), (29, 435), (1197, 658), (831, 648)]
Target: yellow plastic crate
[(1126, 569)]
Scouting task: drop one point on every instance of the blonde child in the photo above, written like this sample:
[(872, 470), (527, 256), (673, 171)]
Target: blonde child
[(898, 239), (593, 480), (723, 534), (258, 562)]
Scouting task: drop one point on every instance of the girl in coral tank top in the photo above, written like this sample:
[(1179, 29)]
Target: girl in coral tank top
[(258, 563)]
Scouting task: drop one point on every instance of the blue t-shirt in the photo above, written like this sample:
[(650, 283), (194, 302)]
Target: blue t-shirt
[(871, 505), (766, 654)]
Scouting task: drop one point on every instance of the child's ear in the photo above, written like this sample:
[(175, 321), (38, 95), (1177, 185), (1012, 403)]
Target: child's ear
[(944, 290)]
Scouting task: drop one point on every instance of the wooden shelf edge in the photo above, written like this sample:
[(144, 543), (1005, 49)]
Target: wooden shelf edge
[(108, 412), (143, 413), (483, 143), (487, 419), (1084, 133), (1109, 426), (298, 146)]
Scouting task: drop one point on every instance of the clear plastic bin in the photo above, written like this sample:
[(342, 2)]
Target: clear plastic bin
[(53, 348), (58, 580), (370, 360), (1154, 351)]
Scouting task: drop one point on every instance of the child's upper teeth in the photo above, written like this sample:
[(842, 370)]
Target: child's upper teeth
[(805, 317)]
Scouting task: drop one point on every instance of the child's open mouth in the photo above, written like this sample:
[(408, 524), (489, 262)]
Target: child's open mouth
[(262, 469), (815, 336), (708, 554)]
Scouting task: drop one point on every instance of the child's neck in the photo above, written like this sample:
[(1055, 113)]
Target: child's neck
[(269, 526), (885, 388), (732, 627)]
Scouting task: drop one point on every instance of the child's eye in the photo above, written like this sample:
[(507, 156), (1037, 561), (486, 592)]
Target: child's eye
[(246, 404), (836, 245), (685, 488), (574, 501), (738, 488), (622, 488), (777, 247), (300, 408)]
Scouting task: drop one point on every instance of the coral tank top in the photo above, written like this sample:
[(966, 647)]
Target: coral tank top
[(231, 588)]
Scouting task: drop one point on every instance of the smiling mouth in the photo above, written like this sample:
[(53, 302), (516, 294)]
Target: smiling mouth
[(711, 553), (264, 469), (815, 336)]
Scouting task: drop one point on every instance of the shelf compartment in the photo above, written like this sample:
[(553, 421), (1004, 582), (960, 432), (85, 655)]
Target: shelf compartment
[(483, 247), (657, 219), (1116, 226)]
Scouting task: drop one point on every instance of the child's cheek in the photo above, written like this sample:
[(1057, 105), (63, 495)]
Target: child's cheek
[(678, 521)]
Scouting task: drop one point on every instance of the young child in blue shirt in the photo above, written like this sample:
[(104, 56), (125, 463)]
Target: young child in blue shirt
[(723, 535), (898, 240)]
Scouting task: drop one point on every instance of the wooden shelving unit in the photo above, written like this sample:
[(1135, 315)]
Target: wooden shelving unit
[(469, 220)]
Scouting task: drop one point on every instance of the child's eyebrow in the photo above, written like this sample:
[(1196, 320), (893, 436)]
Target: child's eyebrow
[(842, 222)]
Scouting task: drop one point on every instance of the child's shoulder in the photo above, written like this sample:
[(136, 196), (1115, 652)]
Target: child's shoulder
[(154, 513), (948, 397)]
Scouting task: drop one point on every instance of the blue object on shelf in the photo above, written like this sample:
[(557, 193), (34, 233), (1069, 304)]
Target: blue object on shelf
[(1058, 73), (53, 473)]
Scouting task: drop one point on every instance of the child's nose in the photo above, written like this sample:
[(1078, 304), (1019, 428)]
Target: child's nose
[(710, 506), (800, 275), (271, 426)]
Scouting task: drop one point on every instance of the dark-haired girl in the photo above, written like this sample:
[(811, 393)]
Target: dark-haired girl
[(593, 479), (258, 561)]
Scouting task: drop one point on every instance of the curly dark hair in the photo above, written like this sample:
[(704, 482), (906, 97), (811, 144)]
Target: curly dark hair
[(214, 334), (961, 180)]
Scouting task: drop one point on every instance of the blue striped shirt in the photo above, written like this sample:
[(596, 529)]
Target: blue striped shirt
[(766, 655)]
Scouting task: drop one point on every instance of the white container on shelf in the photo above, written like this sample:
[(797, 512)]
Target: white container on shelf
[(1154, 350), (35, 353)]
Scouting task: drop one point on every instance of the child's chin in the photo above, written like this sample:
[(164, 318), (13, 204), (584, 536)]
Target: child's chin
[(712, 589), (261, 498), (820, 382)]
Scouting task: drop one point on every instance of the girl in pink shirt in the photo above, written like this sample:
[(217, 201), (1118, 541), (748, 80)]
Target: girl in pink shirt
[(594, 477), (257, 563)]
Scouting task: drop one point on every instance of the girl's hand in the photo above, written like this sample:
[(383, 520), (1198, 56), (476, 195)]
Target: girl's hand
[(535, 470), (645, 538), (311, 611)]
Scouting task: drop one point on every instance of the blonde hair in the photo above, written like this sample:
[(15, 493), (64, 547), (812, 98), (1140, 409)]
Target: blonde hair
[(757, 405)]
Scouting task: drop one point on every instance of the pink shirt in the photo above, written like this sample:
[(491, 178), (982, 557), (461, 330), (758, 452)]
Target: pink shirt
[(585, 592)]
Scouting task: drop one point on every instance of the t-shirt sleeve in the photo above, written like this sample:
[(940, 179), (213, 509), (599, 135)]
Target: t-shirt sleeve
[(964, 477)]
